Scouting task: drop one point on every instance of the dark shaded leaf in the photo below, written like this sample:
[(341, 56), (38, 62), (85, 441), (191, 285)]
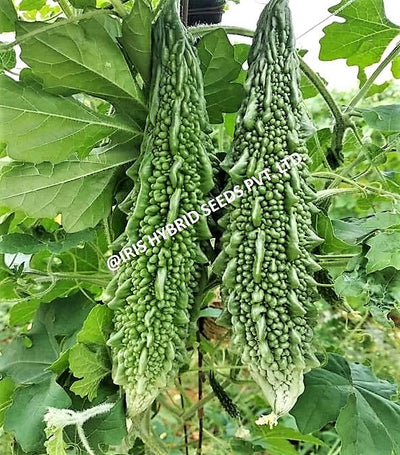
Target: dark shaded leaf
[(24, 418), (136, 37)]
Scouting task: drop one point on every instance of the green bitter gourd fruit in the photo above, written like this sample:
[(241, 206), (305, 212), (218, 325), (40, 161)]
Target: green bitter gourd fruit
[(267, 285), (153, 295)]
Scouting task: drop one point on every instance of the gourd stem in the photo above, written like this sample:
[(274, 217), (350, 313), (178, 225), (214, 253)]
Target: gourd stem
[(320, 86), (185, 11), (368, 84), (232, 30), (341, 123), (140, 425), (312, 76)]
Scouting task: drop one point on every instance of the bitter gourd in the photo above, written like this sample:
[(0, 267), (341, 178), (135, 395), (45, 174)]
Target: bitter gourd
[(267, 284), (153, 294)]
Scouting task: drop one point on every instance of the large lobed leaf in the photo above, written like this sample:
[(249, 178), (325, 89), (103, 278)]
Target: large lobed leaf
[(367, 420), (363, 37), (81, 57), (89, 359), (28, 367), (37, 126), (136, 37), (81, 191), (29, 406), (382, 118), (220, 70), (7, 16)]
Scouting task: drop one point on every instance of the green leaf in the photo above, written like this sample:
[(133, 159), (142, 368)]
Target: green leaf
[(28, 244), (28, 365), (326, 391), (363, 37), (82, 58), (241, 53), (369, 422), (8, 60), (379, 291), (384, 251), (55, 444), (44, 292), (242, 447), (332, 244), (318, 145), (219, 68), (97, 326), (136, 37), (91, 366), (361, 436), (23, 312), (382, 118), (8, 16), (375, 88), (281, 432), (81, 191), (40, 127), (107, 429), (384, 289), (24, 418), (396, 68), (28, 5), (210, 313), (61, 318), (7, 287), (69, 314), (6, 391), (308, 89), (350, 284), (360, 404), (353, 230)]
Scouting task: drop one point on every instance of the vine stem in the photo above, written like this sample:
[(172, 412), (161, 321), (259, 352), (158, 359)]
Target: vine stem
[(368, 84), (66, 7), (200, 411), (327, 193), (335, 447), (193, 409), (185, 11), (320, 86), (346, 171), (203, 29), (141, 425), (184, 423), (334, 256), (107, 231)]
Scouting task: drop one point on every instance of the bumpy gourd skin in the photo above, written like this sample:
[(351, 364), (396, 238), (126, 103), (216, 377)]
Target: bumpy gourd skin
[(268, 287), (153, 294)]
